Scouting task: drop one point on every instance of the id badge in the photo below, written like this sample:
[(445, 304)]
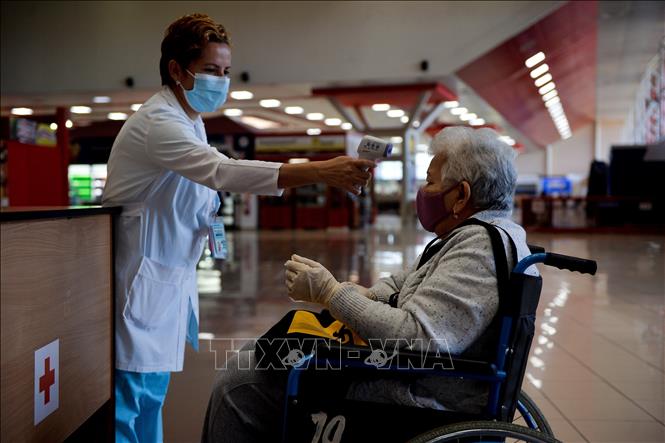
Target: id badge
[(217, 239)]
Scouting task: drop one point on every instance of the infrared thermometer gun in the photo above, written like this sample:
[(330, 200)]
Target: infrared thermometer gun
[(372, 148)]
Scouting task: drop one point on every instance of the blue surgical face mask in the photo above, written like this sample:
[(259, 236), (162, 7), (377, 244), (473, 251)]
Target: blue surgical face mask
[(209, 92)]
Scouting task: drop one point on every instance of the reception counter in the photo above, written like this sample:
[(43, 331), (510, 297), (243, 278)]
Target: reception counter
[(57, 323)]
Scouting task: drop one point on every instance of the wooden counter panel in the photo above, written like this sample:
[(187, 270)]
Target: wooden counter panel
[(56, 284)]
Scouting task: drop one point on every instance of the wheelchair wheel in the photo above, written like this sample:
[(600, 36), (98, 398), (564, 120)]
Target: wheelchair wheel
[(483, 431), (528, 414)]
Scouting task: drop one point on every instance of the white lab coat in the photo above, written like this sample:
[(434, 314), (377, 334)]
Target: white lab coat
[(163, 173)]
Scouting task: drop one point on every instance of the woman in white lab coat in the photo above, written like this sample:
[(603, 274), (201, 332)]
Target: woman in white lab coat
[(165, 176)]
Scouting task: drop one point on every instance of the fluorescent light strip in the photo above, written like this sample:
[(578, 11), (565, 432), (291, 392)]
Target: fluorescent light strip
[(22, 111), (270, 103), (394, 113), (549, 95), (540, 70), (380, 107), (314, 116), (451, 104), (233, 112), (80, 109), (553, 101), (459, 111), (547, 88), (540, 81), (534, 59), (241, 95), (116, 116), (313, 131), (294, 110), (333, 122)]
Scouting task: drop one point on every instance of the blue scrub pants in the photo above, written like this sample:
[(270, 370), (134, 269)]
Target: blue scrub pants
[(139, 397)]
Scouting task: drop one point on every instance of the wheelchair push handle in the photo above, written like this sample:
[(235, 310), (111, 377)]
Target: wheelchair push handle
[(538, 255), (580, 265)]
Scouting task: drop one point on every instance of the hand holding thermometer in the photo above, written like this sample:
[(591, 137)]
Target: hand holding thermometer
[(372, 148)]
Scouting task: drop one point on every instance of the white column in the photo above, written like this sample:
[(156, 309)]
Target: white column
[(549, 154), (597, 141)]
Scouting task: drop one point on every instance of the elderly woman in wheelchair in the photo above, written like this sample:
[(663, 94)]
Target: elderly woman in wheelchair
[(449, 296)]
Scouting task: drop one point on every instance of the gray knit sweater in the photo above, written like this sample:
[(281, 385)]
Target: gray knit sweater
[(453, 296)]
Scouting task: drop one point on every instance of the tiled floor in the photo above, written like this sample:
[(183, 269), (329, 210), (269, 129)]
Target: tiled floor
[(597, 367)]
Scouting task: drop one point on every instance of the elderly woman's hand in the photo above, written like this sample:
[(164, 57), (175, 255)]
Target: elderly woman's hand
[(307, 280), (345, 172)]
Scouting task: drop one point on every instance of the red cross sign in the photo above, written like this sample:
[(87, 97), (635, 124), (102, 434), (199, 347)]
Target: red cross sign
[(47, 380)]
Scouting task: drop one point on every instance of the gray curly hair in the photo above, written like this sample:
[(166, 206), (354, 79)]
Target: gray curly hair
[(480, 158)]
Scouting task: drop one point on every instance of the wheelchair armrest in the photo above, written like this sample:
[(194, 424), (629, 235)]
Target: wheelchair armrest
[(363, 357)]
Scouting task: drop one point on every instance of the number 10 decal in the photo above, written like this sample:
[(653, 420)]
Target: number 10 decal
[(330, 432)]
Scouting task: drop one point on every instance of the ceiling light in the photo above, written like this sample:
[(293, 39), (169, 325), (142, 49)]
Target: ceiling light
[(556, 112), (394, 113), (547, 88), (550, 94), (80, 109), (416, 124), (293, 110), (347, 126), (540, 81), (135, 107), (553, 101), (233, 112), (53, 126), (313, 131), (332, 121), (101, 99), (380, 107), (315, 116), (477, 122), (396, 139), (117, 116), (21, 111), (451, 104), (258, 123), (69, 124), (540, 70), (468, 116), (404, 119), (555, 108), (534, 60), (459, 111), (270, 103), (566, 136), (242, 95)]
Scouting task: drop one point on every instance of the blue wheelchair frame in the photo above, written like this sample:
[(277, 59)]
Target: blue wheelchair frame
[(492, 372)]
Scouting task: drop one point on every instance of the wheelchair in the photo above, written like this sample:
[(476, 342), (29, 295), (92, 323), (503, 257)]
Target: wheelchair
[(316, 410)]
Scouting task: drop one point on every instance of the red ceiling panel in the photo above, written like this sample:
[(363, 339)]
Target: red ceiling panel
[(404, 96), (568, 38)]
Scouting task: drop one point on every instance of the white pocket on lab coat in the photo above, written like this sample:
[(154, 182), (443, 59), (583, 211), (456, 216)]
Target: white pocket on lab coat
[(154, 295)]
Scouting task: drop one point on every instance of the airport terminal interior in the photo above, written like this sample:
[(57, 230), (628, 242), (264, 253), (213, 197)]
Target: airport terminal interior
[(576, 88)]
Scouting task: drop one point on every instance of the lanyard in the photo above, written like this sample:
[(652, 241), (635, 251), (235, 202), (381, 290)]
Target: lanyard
[(221, 204)]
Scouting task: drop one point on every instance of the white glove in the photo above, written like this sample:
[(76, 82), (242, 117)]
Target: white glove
[(307, 280)]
